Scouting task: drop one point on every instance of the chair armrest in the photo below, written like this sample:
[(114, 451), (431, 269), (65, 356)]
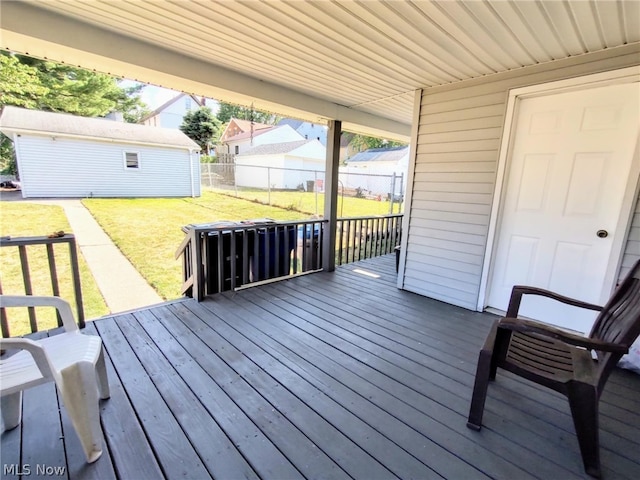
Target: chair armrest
[(37, 352), (529, 326), (519, 290), (34, 301)]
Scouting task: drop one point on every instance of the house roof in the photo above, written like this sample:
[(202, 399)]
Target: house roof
[(22, 120), (276, 148), (291, 122), (380, 155), (242, 126), (171, 101), (358, 62), (245, 125), (249, 134)]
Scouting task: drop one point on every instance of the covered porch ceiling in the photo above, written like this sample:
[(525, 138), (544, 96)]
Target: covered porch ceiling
[(355, 61)]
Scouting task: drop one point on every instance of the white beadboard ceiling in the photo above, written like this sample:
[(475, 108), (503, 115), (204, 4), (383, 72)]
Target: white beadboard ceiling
[(359, 61)]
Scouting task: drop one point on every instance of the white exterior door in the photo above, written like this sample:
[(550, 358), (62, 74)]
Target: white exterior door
[(569, 169)]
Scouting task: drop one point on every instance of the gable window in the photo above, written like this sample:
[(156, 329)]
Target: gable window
[(237, 149), (187, 103), (131, 160)]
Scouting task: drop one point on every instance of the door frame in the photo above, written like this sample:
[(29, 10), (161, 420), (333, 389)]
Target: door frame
[(613, 77)]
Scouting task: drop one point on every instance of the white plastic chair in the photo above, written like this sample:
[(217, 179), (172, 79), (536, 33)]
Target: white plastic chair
[(74, 361)]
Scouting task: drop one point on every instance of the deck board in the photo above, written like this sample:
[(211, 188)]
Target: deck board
[(336, 375)]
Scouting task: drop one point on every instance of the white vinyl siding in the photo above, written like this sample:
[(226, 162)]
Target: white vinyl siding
[(457, 150), (632, 248), (67, 167)]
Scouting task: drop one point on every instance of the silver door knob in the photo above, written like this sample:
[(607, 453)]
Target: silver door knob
[(602, 233)]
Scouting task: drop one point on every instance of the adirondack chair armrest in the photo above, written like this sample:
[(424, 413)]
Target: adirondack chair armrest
[(529, 326), (519, 290), (490, 341), (37, 352)]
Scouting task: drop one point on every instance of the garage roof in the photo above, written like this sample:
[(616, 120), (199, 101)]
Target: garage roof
[(24, 121), (357, 61)]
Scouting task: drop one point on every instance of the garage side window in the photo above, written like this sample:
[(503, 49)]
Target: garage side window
[(131, 160)]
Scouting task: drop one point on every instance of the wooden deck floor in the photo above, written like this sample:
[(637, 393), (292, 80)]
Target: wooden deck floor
[(324, 376)]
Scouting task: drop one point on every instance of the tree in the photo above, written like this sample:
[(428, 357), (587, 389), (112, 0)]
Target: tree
[(201, 126), (227, 111), (360, 143), (56, 87), (7, 156), (19, 83), (42, 85)]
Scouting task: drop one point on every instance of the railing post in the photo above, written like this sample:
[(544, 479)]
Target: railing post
[(196, 265), (331, 195), (77, 284)]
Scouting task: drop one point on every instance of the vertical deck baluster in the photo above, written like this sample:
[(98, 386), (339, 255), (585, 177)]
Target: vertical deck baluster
[(321, 241), (276, 252), (55, 288), (267, 247), (344, 241), (294, 260), (26, 277), (221, 260), (245, 256), (339, 239), (374, 237), (367, 244), (232, 258), (384, 244), (255, 267), (381, 237), (359, 230), (392, 237)]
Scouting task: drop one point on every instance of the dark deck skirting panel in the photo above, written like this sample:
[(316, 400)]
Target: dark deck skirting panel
[(336, 375)]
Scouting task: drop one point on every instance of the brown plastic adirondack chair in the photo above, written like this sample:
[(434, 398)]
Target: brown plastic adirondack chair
[(560, 360)]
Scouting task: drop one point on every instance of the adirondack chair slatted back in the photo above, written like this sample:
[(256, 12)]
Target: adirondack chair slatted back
[(619, 321)]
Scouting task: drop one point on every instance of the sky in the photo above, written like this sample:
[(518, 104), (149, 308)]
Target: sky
[(151, 95)]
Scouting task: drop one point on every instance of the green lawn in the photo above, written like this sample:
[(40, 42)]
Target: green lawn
[(22, 219), (148, 231), (313, 203)]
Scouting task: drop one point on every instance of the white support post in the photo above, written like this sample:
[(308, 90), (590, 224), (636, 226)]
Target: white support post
[(331, 195)]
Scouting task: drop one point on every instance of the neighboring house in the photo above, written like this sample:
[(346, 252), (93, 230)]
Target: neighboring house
[(291, 164), (63, 155), (243, 142), (172, 112), (376, 162), (237, 126), (383, 161), (309, 131)]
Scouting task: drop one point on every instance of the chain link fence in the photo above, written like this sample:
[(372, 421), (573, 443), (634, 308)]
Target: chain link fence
[(303, 189)]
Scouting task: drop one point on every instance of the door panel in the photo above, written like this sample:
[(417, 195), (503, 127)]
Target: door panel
[(569, 167)]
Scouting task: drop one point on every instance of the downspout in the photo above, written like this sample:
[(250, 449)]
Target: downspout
[(191, 172)]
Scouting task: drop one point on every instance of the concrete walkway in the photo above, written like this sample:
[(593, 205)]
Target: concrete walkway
[(122, 287)]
